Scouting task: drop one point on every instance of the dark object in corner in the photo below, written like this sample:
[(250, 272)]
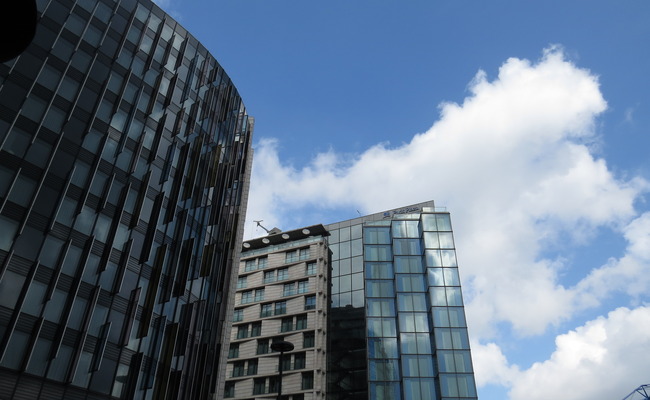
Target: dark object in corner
[(17, 27)]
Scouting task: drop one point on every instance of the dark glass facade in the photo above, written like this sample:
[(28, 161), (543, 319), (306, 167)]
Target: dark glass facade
[(124, 164), (397, 326)]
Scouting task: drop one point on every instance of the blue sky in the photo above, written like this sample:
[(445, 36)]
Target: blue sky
[(528, 121)]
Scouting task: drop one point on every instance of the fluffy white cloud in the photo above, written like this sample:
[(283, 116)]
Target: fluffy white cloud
[(604, 359), (514, 164)]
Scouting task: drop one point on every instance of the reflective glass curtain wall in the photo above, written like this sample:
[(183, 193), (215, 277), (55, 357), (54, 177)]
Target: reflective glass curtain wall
[(414, 344), (124, 152)]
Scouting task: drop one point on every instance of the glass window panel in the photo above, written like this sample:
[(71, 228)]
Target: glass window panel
[(54, 307), (404, 229), (446, 240), (383, 370), (379, 270), (451, 277), (421, 322), (358, 299), (385, 391), (443, 222), (334, 236), (380, 288), (357, 264), (406, 247), (39, 153), (440, 317), (389, 327), (356, 248), (357, 281), (423, 342), (463, 361), (433, 258), (378, 253), (448, 258), (454, 297), (376, 235), (9, 228), (15, 351), (10, 287), (456, 317), (50, 252), (22, 191), (406, 322), (412, 389), (443, 338), (382, 348), (431, 240), (408, 264), (345, 267), (345, 283), (40, 357), (344, 234), (459, 338), (344, 250), (446, 361), (435, 277), (466, 386), (437, 296), (34, 299)]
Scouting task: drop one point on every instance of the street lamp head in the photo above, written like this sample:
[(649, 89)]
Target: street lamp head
[(282, 346)]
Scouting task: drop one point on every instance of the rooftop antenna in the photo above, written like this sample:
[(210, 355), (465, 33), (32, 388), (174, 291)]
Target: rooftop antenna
[(261, 226)]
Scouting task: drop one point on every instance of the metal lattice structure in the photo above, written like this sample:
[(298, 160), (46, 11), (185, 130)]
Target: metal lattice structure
[(640, 393)]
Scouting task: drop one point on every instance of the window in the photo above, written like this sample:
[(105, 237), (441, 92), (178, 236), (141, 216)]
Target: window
[(238, 369), (259, 385), (291, 256), (238, 315), (262, 346), (269, 276), (299, 361), (242, 331), (252, 367), (303, 254), (311, 268), (262, 262), (233, 352), (301, 322), (280, 307), (287, 324), (246, 297), (241, 282), (259, 294), (308, 339), (307, 380), (288, 289), (229, 391), (267, 310), (302, 286), (286, 362), (250, 265), (283, 273), (256, 329), (310, 302)]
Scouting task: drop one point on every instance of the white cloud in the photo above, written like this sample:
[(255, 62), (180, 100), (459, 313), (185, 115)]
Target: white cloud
[(515, 166), (604, 359)]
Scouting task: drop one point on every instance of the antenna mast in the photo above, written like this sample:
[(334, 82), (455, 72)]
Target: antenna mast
[(261, 226)]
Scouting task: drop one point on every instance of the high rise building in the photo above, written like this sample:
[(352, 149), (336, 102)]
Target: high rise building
[(281, 296), (396, 322), (124, 167), (388, 311)]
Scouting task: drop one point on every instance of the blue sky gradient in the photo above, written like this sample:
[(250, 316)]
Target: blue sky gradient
[(529, 121)]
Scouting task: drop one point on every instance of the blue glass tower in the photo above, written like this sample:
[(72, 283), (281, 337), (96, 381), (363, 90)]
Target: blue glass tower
[(396, 320)]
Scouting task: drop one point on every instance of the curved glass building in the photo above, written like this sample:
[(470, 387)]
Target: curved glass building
[(124, 168)]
